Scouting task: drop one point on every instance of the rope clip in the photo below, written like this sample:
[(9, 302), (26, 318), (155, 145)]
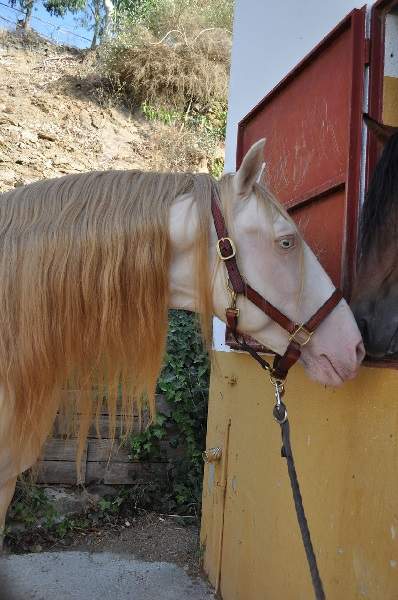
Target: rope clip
[(280, 410)]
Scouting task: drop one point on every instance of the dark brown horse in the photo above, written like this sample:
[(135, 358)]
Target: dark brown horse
[(375, 296)]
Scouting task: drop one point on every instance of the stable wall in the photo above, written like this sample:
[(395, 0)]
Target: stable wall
[(346, 450)]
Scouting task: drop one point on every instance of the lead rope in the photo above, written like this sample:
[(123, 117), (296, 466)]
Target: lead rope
[(280, 416)]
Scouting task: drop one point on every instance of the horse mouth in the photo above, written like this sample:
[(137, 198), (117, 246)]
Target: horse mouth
[(328, 367), (335, 371)]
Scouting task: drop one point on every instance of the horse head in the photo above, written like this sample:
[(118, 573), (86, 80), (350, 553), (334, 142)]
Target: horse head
[(375, 295), (276, 261)]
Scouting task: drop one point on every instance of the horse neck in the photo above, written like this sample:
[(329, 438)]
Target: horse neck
[(183, 226)]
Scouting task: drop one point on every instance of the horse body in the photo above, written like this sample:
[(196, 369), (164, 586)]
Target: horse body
[(96, 261), (375, 295)]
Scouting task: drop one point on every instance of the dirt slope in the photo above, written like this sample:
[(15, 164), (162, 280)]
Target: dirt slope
[(51, 122)]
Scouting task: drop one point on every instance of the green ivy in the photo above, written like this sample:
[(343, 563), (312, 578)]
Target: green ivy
[(146, 446), (184, 382), (30, 504)]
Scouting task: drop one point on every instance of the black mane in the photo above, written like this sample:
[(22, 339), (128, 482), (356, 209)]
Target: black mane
[(380, 210)]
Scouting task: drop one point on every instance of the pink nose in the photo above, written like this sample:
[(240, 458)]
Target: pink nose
[(360, 352)]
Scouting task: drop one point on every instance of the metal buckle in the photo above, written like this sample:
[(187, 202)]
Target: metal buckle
[(300, 329), (233, 309), (226, 239)]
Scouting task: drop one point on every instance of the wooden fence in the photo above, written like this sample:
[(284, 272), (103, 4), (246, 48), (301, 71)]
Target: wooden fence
[(103, 460)]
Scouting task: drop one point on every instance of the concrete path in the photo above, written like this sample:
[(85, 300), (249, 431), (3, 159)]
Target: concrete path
[(101, 576)]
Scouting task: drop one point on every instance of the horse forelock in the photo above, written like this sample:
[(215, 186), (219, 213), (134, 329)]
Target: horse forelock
[(84, 289), (379, 218)]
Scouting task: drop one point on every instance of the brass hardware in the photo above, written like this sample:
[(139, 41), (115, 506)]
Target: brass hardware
[(233, 252), (300, 329), (212, 455), (277, 382), (233, 308), (232, 294)]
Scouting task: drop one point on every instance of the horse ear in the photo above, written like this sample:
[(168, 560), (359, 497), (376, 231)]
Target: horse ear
[(382, 132), (250, 169)]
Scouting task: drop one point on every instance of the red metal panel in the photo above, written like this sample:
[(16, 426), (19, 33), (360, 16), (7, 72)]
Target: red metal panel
[(316, 229), (312, 122)]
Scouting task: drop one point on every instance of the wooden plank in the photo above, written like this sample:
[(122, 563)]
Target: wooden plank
[(161, 403), (105, 450), (64, 472), (81, 477), (57, 471), (58, 449), (125, 473), (60, 430), (100, 450)]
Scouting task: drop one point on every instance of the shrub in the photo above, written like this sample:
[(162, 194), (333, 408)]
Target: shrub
[(171, 53), (160, 16), (171, 73)]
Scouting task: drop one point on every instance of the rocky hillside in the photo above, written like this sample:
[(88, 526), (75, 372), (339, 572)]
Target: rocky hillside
[(54, 119)]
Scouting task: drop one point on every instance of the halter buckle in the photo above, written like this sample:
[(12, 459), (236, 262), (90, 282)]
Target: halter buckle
[(301, 331), (219, 251)]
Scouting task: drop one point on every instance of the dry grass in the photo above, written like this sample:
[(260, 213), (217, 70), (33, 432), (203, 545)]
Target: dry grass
[(172, 72), (178, 149)]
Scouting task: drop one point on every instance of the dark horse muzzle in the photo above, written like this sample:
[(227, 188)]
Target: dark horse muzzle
[(377, 319)]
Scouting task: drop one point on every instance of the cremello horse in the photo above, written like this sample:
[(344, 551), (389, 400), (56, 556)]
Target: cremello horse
[(90, 264)]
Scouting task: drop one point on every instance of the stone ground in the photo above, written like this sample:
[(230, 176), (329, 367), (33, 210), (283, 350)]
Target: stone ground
[(138, 556), (57, 117), (52, 121), (82, 575)]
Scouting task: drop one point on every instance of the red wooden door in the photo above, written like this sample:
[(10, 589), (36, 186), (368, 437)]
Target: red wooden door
[(312, 122)]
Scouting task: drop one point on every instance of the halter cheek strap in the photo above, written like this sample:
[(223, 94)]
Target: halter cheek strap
[(299, 334)]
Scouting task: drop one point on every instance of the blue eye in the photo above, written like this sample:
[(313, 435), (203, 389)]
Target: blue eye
[(286, 242)]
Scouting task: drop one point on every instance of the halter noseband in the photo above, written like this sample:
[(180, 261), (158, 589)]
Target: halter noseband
[(299, 334)]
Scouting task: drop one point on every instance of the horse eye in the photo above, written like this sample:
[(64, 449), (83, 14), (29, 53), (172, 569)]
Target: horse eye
[(286, 243)]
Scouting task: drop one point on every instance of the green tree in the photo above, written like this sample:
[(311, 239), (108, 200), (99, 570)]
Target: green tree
[(97, 15), (26, 6)]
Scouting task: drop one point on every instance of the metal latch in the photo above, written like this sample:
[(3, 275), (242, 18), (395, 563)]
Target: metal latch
[(212, 455)]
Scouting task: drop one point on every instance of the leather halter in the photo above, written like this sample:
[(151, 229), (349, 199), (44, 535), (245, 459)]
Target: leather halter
[(299, 334)]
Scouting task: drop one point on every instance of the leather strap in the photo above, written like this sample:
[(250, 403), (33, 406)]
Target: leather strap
[(324, 310), (236, 279), (282, 364)]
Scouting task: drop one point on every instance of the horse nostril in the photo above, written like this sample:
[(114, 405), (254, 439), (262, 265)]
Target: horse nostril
[(360, 352)]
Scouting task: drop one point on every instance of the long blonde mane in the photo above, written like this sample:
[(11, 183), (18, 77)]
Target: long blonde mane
[(84, 291)]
